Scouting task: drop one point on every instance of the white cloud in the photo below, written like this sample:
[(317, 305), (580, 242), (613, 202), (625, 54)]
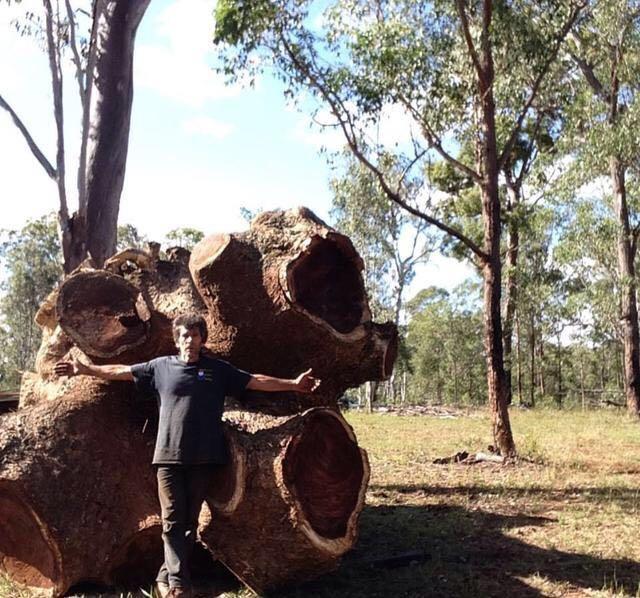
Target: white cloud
[(179, 66), (441, 271), (159, 197), (205, 125)]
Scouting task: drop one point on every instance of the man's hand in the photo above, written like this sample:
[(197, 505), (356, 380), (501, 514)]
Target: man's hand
[(306, 382), (74, 367)]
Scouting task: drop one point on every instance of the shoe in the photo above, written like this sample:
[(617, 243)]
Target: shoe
[(179, 593), (162, 589)]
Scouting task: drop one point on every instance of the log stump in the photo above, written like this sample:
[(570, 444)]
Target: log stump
[(286, 507)]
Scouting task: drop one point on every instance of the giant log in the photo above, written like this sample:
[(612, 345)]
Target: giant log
[(299, 481), (77, 492), (75, 459), (78, 496), (288, 295)]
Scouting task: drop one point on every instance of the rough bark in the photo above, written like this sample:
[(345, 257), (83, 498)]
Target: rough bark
[(77, 466), (306, 292), (74, 470), (628, 301), (106, 124), (492, 268), (301, 481)]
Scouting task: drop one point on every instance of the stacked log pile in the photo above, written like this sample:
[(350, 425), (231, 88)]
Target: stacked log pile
[(77, 493)]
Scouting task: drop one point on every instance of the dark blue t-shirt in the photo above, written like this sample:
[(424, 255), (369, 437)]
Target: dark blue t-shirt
[(191, 398)]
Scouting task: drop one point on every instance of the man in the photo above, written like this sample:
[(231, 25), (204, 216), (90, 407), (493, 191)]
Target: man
[(191, 387)]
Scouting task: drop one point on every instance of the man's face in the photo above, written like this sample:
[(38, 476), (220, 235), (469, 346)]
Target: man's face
[(189, 343)]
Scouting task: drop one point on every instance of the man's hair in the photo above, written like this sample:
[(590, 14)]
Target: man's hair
[(190, 321)]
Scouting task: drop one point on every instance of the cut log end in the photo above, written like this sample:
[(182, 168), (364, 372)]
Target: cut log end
[(103, 313), (26, 555), (325, 281), (326, 473), (207, 251)]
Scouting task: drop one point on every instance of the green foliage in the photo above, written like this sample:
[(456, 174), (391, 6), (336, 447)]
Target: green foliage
[(241, 20), (185, 237), (31, 260), (444, 339), (129, 236), (390, 241), (604, 114)]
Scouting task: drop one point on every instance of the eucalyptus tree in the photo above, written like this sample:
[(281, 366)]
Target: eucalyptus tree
[(586, 252), (102, 60), (444, 336), (391, 241), (606, 49), (468, 69), (185, 237), (130, 236), (31, 261)]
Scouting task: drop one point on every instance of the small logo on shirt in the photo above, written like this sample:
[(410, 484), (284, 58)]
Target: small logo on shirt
[(200, 374)]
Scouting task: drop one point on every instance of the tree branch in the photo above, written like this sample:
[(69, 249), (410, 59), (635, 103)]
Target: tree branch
[(346, 124), (80, 73), (56, 83), (536, 84), (590, 77), (464, 22), (35, 150), (435, 143)]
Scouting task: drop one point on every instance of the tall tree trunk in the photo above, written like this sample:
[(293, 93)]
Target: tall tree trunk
[(559, 369), (105, 128), (511, 293), (492, 266), (372, 388), (541, 370), (519, 360), (532, 352), (628, 304)]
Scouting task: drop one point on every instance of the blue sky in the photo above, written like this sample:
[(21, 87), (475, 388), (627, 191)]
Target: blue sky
[(199, 150)]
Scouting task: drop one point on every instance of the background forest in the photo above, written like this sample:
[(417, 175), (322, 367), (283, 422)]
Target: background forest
[(520, 159)]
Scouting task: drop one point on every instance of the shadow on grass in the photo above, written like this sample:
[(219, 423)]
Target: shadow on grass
[(470, 556), (620, 496)]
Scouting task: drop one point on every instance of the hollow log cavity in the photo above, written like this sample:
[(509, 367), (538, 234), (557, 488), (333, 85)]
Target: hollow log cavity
[(325, 281)]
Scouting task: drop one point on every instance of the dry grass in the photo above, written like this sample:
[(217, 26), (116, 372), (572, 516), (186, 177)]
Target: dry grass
[(565, 522)]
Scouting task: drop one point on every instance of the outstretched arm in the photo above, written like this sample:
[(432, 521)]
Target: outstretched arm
[(304, 383), (75, 367)]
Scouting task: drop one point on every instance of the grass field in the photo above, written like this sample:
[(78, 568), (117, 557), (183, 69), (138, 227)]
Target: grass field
[(564, 521)]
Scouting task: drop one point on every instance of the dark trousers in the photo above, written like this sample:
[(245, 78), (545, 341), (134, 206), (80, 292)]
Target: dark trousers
[(181, 489)]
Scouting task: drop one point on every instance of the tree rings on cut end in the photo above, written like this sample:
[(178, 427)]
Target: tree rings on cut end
[(326, 473), (206, 252), (103, 313)]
